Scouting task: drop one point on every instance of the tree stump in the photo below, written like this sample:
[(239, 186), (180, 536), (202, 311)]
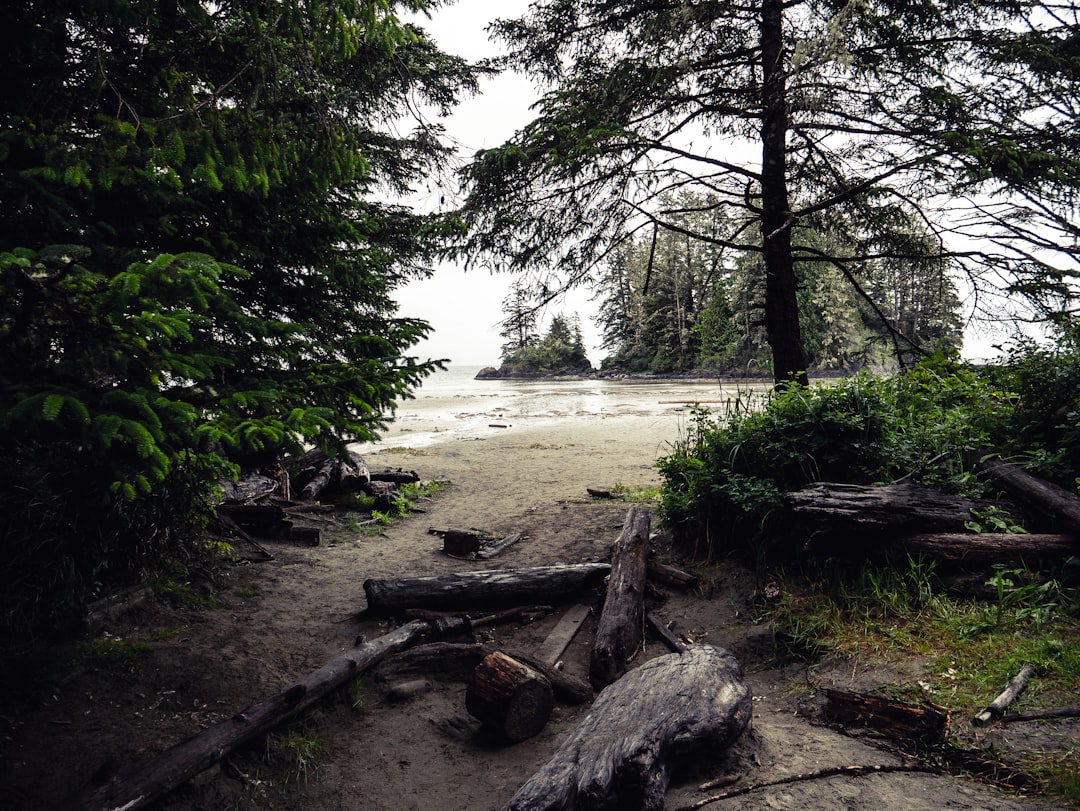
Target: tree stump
[(509, 697), (621, 756)]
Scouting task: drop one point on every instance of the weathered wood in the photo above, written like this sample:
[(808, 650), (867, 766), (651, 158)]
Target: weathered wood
[(996, 708), (1041, 715), (397, 476), (925, 722), (248, 487), (384, 493), (254, 515), (351, 476), (971, 549), (889, 510), (509, 697), (563, 633), (461, 543), (319, 482), (140, 786), (489, 550), (621, 756), (663, 633), (1062, 505), (620, 629), (524, 613), (455, 661), (484, 590), (671, 575)]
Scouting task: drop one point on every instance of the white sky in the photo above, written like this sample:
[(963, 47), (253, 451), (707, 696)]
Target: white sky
[(464, 308)]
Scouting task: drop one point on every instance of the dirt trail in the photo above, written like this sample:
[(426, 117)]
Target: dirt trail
[(287, 617)]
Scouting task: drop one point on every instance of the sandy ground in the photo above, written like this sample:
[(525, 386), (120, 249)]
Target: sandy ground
[(285, 618)]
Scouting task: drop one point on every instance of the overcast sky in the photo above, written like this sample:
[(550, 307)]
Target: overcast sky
[(465, 308)]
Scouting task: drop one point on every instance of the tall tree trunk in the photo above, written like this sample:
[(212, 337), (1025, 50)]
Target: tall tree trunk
[(781, 306)]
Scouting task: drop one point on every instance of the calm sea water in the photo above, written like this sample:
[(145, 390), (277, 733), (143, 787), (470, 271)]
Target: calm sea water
[(453, 404)]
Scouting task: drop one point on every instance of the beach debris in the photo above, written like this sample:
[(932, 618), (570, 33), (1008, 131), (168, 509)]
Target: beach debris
[(509, 697), (523, 614), (671, 575), (456, 661), (925, 723), (1044, 496), (664, 633), (483, 590), (141, 786), (596, 492), (619, 631), (996, 708), (621, 756), (563, 634), (474, 544)]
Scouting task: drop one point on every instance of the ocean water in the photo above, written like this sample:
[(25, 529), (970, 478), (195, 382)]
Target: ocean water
[(453, 404)]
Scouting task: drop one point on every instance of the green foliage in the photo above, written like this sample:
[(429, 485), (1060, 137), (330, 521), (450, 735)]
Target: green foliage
[(196, 266), (560, 351), (725, 479)]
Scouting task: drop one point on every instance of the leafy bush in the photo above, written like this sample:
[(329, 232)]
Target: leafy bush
[(724, 481)]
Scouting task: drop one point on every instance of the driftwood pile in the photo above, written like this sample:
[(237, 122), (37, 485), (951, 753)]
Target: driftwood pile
[(688, 703), (282, 503)]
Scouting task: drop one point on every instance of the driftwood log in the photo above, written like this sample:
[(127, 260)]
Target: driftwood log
[(485, 590), (1062, 506), (456, 661), (996, 708), (141, 785), (979, 550), (671, 575), (620, 628), (889, 510), (509, 697), (620, 757)]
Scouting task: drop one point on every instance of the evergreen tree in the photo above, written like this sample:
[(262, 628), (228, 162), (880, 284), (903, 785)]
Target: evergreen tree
[(867, 117), (196, 267)]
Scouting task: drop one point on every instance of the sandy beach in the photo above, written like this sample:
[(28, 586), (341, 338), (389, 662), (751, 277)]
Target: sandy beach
[(285, 618)]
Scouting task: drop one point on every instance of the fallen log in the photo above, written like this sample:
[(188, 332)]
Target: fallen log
[(996, 708), (621, 756), (952, 550), (489, 550), (663, 633), (839, 515), (398, 476), (484, 590), (1041, 715), (671, 575), (456, 661), (925, 723), (140, 786), (509, 697), (1063, 506), (319, 482), (621, 626)]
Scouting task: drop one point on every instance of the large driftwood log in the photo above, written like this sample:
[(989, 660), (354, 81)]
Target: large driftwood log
[(976, 550), (622, 620), (138, 787), (1047, 497), (621, 756), (894, 509), (483, 590)]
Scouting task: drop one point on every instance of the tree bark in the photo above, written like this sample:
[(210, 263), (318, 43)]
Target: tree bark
[(509, 697), (484, 590), (782, 324), (886, 510), (142, 785), (1062, 505), (621, 755), (978, 550), (621, 627)]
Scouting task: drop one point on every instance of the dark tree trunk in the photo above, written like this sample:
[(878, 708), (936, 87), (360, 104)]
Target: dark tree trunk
[(141, 786), (621, 756), (619, 631), (485, 590), (781, 304), (925, 723)]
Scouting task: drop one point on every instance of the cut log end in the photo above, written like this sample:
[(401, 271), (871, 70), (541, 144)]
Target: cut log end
[(509, 697)]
